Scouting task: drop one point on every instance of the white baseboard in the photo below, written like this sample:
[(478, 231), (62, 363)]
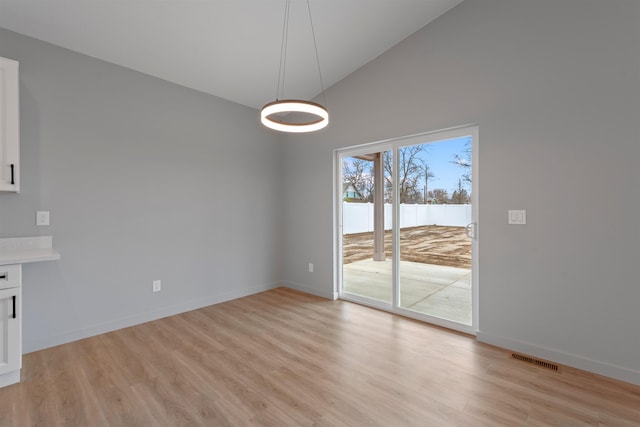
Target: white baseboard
[(329, 294), (579, 362), (41, 343), (9, 378)]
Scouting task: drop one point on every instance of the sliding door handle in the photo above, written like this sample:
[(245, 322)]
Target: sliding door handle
[(470, 230)]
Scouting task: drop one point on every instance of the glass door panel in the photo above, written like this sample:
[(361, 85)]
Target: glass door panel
[(366, 226), (434, 190)]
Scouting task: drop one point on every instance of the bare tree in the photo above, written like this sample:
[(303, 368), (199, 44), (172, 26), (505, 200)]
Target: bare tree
[(460, 196), (464, 161), (410, 170), (440, 196)]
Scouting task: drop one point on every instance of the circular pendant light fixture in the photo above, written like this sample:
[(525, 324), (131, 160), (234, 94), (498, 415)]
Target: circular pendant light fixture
[(293, 115), (282, 116)]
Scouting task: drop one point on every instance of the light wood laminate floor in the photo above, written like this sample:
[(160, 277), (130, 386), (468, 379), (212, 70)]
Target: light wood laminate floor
[(283, 358)]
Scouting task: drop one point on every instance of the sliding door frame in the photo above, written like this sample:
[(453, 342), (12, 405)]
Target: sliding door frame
[(393, 145)]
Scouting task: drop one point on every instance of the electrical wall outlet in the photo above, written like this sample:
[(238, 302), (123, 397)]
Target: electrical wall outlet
[(310, 267), (517, 217), (42, 218), (157, 286)]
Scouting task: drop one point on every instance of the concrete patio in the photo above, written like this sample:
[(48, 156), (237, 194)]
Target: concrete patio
[(435, 290)]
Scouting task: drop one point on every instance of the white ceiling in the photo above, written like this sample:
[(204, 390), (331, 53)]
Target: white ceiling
[(228, 48)]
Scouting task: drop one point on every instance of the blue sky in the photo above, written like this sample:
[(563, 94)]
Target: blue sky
[(439, 155)]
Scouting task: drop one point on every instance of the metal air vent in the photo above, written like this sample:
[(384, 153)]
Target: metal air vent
[(534, 361)]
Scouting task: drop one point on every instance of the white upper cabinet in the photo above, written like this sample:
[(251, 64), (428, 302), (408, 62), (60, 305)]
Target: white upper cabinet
[(9, 126)]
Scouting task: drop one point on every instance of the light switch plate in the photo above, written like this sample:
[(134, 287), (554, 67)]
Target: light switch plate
[(42, 218), (517, 217)]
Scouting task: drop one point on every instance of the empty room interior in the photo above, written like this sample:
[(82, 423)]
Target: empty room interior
[(169, 258)]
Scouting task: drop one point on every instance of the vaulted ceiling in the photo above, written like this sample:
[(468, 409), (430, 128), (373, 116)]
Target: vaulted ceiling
[(228, 48)]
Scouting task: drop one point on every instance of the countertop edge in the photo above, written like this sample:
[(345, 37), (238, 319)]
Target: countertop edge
[(27, 257), (24, 250)]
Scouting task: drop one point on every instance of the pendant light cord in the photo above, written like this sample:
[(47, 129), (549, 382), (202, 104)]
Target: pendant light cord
[(315, 46), (283, 50)]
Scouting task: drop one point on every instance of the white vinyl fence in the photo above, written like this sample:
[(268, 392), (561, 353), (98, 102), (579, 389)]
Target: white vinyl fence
[(358, 217)]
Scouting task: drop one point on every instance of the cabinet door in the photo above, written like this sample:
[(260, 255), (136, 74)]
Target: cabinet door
[(9, 126), (10, 339)]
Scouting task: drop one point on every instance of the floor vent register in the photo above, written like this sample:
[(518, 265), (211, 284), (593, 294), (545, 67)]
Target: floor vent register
[(538, 362)]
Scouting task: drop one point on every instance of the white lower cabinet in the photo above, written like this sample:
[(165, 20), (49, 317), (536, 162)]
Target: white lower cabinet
[(10, 324), (15, 251)]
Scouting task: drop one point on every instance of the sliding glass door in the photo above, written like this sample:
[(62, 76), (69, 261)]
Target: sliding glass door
[(406, 226)]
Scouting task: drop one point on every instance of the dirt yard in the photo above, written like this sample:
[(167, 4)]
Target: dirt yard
[(430, 244)]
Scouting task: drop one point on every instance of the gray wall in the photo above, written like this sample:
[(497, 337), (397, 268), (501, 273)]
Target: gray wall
[(555, 89), (144, 180)]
